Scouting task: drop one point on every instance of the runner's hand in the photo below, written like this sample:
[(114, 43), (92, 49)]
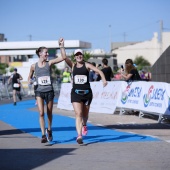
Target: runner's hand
[(61, 42), (104, 83)]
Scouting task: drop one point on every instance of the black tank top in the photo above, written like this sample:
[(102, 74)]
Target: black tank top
[(81, 78), (15, 78)]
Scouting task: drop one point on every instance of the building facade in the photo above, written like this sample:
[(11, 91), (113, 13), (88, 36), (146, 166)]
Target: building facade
[(150, 50)]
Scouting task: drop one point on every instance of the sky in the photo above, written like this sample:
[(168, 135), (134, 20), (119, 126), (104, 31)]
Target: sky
[(98, 22)]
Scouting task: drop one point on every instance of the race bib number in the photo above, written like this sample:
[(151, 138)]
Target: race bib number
[(45, 80), (80, 79), (16, 85)]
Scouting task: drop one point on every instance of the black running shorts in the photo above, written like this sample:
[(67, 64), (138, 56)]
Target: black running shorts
[(85, 98), (47, 96), (17, 89)]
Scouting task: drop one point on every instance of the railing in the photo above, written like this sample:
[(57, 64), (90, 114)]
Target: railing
[(6, 91)]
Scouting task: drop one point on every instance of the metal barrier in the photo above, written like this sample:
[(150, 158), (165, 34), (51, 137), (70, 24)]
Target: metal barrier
[(6, 91), (57, 87)]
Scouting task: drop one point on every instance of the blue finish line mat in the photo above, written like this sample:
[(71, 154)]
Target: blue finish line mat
[(64, 132)]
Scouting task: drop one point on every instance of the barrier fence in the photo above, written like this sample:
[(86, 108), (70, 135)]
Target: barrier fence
[(26, 90), (145, 97), (6, 91)]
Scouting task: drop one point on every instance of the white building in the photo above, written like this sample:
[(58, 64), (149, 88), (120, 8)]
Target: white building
[(26, 50), (150, 50)]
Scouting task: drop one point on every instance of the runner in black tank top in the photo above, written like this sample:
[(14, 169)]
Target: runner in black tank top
[(81, 82), (43, 88), (81, 93), (82, 76), (16, 85)]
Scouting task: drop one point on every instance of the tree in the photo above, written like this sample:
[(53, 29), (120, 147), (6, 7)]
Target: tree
[(3, 67), (142, 63), (11, 69)]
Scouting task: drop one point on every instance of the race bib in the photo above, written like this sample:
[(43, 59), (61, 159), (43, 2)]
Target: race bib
[(66, 79), (16, 85), (80, 79), (44, 80)]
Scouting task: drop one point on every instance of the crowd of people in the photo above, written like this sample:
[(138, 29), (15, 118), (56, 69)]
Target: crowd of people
[(93, 75), (80, 75), (128, 73)]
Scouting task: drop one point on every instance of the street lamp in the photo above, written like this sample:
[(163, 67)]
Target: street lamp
[(110, 35)]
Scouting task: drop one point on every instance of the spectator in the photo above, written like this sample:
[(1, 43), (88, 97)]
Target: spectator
[(142, 75), (66, 76), (148, 76), (97, 76), (58, 80), (92, 74), (131, 73), (107, 71), (117, 76)]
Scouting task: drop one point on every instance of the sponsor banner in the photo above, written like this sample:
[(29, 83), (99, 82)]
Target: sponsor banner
[(145, 96), (104, 98), (155, 97), (151, 97), (131, 95), (64, 100)]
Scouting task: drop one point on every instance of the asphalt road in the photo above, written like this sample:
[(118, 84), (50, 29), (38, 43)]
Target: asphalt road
[(23, 151)]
